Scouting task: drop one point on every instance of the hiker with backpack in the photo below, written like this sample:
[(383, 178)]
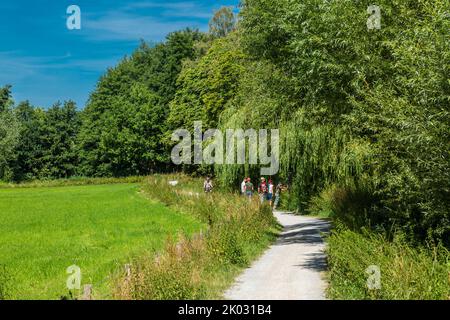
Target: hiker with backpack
[(248, 188), (208, 185)]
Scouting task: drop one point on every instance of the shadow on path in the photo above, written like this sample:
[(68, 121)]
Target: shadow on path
[(307, 232), (315, 261), (291, 269)]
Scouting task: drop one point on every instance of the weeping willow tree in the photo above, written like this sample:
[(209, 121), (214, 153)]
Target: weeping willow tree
[(364, 109), (317, 156), (312, 154)]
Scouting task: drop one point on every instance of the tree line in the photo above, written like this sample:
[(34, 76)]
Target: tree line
[(363, 114)]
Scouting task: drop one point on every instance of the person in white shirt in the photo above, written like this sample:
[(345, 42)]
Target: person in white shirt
[(270, 192), (207, 185), (243, 186)]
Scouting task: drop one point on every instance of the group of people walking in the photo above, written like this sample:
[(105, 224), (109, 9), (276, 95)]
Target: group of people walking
[(266, 190)]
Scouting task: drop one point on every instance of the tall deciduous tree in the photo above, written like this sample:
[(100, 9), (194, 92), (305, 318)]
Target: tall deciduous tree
[(5, 98), (223, 22), (206, 86), (27, 164), (117, 137), (9, 133), (365, 110), (59, 136)]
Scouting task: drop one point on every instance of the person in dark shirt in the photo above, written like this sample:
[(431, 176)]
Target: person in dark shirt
[(249, 188), (278, 190)]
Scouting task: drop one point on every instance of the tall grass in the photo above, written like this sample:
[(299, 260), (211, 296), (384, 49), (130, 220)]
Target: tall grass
[(350, 206), (407, 272), (200, 267)]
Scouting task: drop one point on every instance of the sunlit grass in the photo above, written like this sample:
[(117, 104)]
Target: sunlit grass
[(98, 228)]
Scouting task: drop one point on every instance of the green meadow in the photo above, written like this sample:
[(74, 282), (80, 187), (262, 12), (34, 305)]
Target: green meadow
[(96, 227)]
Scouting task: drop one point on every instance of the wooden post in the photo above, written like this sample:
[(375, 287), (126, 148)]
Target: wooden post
[(128, 271), (87, 292)]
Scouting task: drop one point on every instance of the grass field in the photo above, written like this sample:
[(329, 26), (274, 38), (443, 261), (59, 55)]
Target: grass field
[(97, 227)]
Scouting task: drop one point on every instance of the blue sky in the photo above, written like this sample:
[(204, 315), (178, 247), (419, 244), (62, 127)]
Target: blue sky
[(45, 62)]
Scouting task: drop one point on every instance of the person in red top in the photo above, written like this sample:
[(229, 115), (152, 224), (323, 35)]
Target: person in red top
[(248, 188), (262, 190)]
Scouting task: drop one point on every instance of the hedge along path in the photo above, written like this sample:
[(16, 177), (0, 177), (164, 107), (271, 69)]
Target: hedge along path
[(293, 268)]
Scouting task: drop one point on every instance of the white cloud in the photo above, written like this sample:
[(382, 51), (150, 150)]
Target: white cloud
[(130, 27), (145, 20), (188, 9)]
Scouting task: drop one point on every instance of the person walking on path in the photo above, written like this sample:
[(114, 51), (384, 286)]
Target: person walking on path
[(277, 195), (243, 186), (270, 192), (262, 190), (208, 185), (249, 188)]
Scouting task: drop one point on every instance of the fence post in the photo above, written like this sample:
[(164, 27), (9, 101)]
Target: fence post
[(128, 271), (87, 292)]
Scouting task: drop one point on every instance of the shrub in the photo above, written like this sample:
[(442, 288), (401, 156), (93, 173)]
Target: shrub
[(172, 274), (348, 205)]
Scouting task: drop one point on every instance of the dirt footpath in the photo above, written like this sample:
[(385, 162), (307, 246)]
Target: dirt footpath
[(292, 268)]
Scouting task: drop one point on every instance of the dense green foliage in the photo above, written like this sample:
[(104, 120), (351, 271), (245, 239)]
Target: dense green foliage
[(119, 133), (364, 110), (206, 86), (9, 132), (124, 121), (44, 142)]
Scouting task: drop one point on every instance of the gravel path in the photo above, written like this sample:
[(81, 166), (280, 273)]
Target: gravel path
[(292, 268)]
